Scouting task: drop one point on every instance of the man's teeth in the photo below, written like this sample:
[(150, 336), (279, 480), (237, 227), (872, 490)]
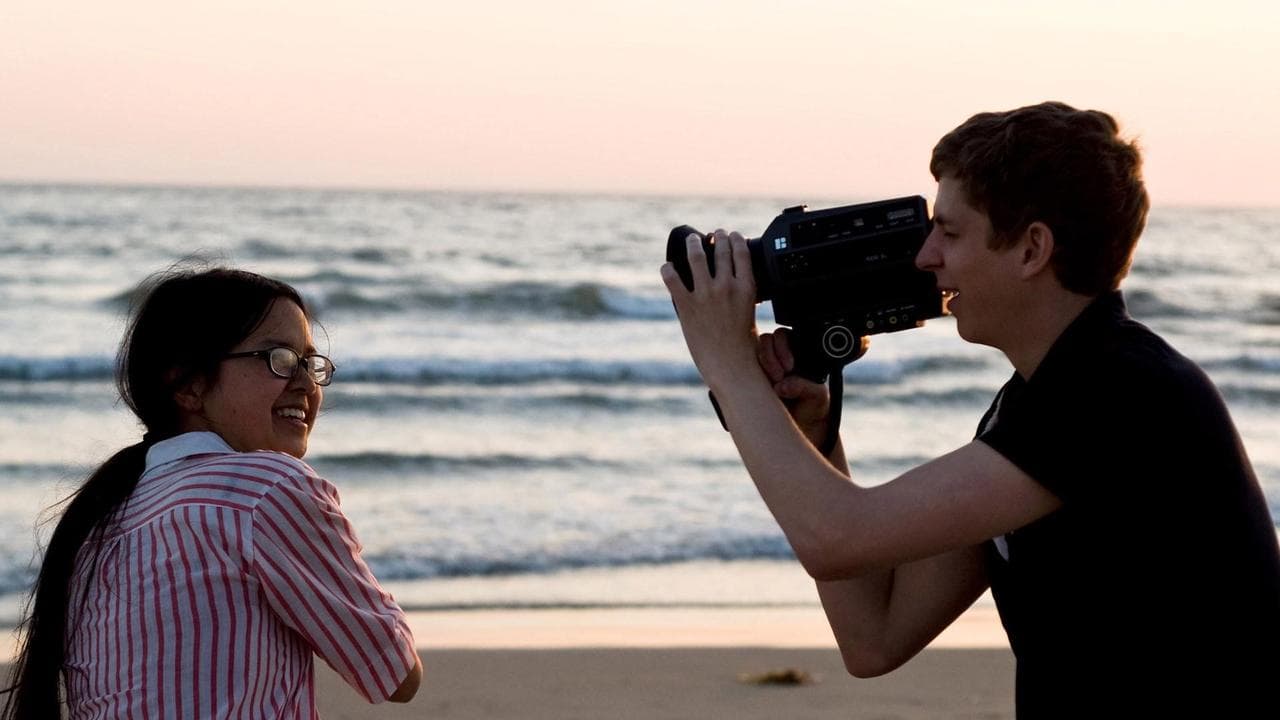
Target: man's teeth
[(292, 413)]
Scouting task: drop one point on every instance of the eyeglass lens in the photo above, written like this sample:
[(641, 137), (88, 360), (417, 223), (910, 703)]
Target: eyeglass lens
[(284, 363)]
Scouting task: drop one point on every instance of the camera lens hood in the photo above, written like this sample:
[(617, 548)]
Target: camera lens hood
[(678, 253)]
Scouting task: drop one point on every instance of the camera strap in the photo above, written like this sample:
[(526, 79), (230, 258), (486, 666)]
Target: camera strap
[(835, 389), (815, 362)]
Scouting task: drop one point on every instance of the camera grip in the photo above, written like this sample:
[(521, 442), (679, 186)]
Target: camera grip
[(678, 253), (824, 349), (811, 367), (820, 355)]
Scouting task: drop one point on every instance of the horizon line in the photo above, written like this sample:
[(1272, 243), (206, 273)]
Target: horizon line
[(507, 191)]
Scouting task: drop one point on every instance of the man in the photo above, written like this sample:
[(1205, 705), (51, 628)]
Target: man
[(1107, 500)]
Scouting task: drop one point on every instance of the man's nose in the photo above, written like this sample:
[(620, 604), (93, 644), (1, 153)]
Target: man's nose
[(928, 258)]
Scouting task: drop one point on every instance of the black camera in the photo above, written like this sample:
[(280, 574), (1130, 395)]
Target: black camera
[(836, 276)]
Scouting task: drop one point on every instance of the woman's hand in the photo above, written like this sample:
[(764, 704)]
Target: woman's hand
[(808, 402), (718, 316)]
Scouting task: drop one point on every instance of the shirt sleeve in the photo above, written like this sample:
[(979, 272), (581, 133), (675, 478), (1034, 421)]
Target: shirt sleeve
[(307, 558), (1069, 435)]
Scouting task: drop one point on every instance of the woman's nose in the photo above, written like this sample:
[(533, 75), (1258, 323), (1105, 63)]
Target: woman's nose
[(303, 378)]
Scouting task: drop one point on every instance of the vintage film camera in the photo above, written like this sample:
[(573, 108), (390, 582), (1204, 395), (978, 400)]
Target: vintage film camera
[(836, 276)]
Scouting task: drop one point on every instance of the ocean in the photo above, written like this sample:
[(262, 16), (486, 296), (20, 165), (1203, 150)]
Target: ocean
[(515, 421)]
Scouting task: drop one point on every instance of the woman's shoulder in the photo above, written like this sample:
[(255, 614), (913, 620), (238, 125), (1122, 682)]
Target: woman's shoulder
[(279, 462), (253, 474), (275, 467)]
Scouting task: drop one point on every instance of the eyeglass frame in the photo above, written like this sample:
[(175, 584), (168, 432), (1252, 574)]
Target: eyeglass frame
[(298, 363)]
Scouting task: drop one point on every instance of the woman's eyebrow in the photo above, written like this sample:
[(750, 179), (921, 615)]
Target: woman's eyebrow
[(281, 342)]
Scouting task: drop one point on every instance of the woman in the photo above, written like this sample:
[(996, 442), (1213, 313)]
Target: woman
[(195, 573)]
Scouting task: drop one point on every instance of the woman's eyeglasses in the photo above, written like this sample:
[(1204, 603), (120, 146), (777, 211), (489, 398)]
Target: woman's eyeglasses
[(284, 363)]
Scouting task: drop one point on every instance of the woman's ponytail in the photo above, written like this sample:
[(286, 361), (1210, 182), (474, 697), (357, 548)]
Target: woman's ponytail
[(37, 669)]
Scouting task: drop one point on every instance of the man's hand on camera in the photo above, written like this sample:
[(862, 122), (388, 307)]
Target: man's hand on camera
[(718, 316), (809, 402)]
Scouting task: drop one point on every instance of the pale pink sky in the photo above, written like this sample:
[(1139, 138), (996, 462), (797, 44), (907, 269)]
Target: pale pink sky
[(823, 98)]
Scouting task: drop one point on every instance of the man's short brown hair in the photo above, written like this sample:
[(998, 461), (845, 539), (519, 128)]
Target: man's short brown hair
[(1064, 167)]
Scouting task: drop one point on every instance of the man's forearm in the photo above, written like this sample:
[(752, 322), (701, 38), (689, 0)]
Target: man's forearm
[(838, 460), (810, 496)]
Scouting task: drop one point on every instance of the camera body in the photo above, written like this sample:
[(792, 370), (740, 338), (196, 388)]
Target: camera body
[(837, 275)]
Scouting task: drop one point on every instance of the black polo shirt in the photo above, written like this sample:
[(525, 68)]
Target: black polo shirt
[(1156, 587)]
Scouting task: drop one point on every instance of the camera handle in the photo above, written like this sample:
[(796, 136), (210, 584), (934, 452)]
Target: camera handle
[(815, 360), (821, 354)]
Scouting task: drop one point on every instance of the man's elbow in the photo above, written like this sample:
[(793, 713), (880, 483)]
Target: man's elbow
[(863, 662), (409, 687), (825, 569)]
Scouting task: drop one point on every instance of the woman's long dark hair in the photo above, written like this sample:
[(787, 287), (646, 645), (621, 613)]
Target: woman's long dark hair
[(184, 325)]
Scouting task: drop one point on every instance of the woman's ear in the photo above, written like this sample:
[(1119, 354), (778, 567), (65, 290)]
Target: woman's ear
[(190, 397), (1036, 248)]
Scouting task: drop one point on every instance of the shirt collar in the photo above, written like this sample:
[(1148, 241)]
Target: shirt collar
[(1082, 335), (185, 445)]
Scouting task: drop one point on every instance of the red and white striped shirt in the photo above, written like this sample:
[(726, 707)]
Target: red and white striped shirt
[(222, 575)]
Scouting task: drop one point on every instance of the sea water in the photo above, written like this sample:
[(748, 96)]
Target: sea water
[(515, 421)]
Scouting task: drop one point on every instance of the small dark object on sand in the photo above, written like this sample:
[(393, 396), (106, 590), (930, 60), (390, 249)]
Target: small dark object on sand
[(785, 676)]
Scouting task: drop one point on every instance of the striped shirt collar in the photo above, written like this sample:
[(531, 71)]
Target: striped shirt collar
[(176, 448)]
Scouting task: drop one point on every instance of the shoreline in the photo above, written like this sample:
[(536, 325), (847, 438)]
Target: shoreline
[(805, 627)]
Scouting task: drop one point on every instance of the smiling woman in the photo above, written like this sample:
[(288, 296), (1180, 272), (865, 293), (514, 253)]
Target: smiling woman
[(263, 406), (197, 573)]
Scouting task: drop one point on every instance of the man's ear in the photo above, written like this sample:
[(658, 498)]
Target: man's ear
[(1036, 249)]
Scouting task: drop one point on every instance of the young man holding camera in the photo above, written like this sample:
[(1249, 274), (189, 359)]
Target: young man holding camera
[(1107, 500)]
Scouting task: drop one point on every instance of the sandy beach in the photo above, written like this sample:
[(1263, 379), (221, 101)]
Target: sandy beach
[(680, 663), (688, 683)]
